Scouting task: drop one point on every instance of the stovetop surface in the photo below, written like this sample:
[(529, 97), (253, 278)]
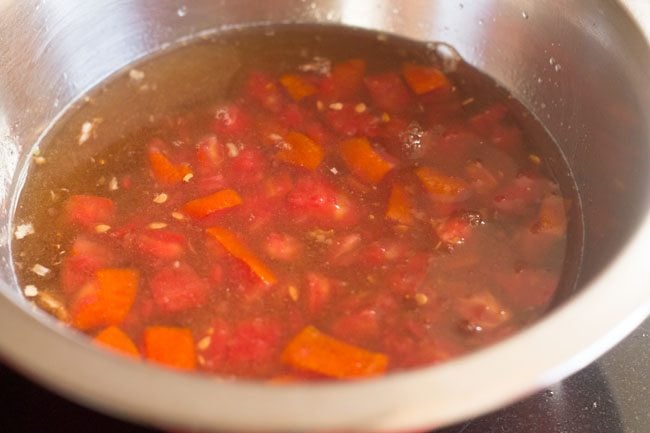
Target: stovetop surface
[(612, 395)]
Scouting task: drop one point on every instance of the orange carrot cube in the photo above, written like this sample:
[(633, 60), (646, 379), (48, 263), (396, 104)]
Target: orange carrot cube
[(303, 151), (170, 346), (204, 206), (423, 79), (365, 162), (115, 339), (317, 352), (297, 86), (237, 249), (106, 299)]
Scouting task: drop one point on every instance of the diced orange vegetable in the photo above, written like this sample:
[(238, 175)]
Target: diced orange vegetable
[(364, 161), (399, 206), (423, 79), (441, 186), (317, 352), (236, 248), (170, 346), (164, 171), (106, 299), (314, 351), (204, 206), (114, 338), (304, 151), (297, 86)]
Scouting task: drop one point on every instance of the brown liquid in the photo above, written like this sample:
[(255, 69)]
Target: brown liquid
[(121, 115)]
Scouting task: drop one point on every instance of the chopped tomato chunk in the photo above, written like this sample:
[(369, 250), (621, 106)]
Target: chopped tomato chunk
[(162, 244), (345, 81), (88, 211), (263, 89), (282, 246), (388, 92), (231, 120), (177, 287)]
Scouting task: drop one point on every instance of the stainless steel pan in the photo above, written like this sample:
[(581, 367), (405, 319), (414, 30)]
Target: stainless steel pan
[(580, 66)]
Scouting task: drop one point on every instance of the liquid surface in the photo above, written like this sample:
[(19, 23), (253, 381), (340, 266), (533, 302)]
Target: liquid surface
[(295, 204)]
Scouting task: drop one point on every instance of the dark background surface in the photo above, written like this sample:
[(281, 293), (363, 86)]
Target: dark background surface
[(612, 395)]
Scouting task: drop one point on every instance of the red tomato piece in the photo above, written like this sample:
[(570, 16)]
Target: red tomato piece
[(456, 229), (247, 168), (388, 92), (349, 122), (319, 292), (407, 278), (293, 116), (443, 106), (278, 186), (264, 90), (161, 244), (344, 82), (357, 326), (507, 138), (254, 342), (517, 196), (313, 195), (77, 270), (178, 288), (486, 121), (282, 246), (88, 211), (344, 249), (210, 154), (230, 120)]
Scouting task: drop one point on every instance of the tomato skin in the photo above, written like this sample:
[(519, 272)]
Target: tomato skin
[(388, 92), (178, 288), (161, 244), (87, 211), (231, 121)]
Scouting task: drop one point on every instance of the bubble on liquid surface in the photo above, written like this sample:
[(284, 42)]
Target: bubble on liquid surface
[(446, 55), (181, 11)]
